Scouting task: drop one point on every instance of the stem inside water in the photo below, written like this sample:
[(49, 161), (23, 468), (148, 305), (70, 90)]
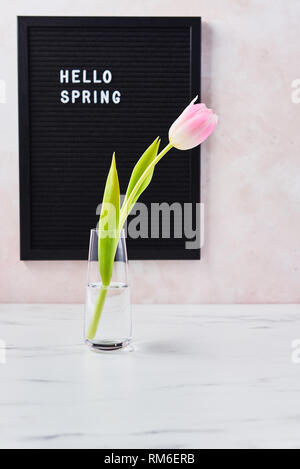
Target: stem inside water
[(97, 314)]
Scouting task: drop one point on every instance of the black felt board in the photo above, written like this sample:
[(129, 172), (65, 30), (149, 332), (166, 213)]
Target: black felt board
[(65, 149)]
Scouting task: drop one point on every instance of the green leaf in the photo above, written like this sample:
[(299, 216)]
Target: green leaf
[(140, 167), (109, 224)]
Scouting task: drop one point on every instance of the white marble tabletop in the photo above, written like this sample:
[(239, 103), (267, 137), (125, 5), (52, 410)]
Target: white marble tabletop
[(216, 376)]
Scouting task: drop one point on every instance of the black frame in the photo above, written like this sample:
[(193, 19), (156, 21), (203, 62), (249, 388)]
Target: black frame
[(24, 23)]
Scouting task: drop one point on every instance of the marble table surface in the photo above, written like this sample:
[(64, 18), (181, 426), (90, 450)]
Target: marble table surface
[(216, 376)]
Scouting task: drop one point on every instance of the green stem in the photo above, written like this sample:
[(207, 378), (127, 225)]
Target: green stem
[(97, 313)]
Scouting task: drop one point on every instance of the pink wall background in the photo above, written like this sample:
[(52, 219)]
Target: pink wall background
[(251, 165)]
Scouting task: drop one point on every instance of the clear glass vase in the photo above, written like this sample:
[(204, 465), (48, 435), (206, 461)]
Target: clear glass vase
[(112, 321)]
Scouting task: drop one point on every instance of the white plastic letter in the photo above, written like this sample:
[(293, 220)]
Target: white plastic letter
[(64, 76), (75, 95), (86, 97), (104, 96), (84, 77), (64, 97), (116, 97), (95, 77), (75, 76), (107, 76)]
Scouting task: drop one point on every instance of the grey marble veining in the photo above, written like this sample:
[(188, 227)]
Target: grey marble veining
[(199, 376)]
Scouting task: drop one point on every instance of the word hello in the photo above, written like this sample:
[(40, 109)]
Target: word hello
[(84, 96), (82, 76)]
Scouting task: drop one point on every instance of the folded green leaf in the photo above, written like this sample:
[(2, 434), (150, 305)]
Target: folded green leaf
[(109, 224), (148, 156), (140, 184)]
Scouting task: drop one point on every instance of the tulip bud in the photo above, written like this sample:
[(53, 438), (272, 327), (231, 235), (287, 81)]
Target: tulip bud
[(193, 126)]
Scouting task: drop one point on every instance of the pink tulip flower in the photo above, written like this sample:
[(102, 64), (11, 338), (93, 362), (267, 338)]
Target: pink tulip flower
[(193, 126)]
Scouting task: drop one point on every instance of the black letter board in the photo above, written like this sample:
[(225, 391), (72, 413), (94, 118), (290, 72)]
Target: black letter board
[(89, 87)]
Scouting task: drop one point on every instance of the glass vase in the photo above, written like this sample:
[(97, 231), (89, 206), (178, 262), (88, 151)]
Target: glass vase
[(112, 321)]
